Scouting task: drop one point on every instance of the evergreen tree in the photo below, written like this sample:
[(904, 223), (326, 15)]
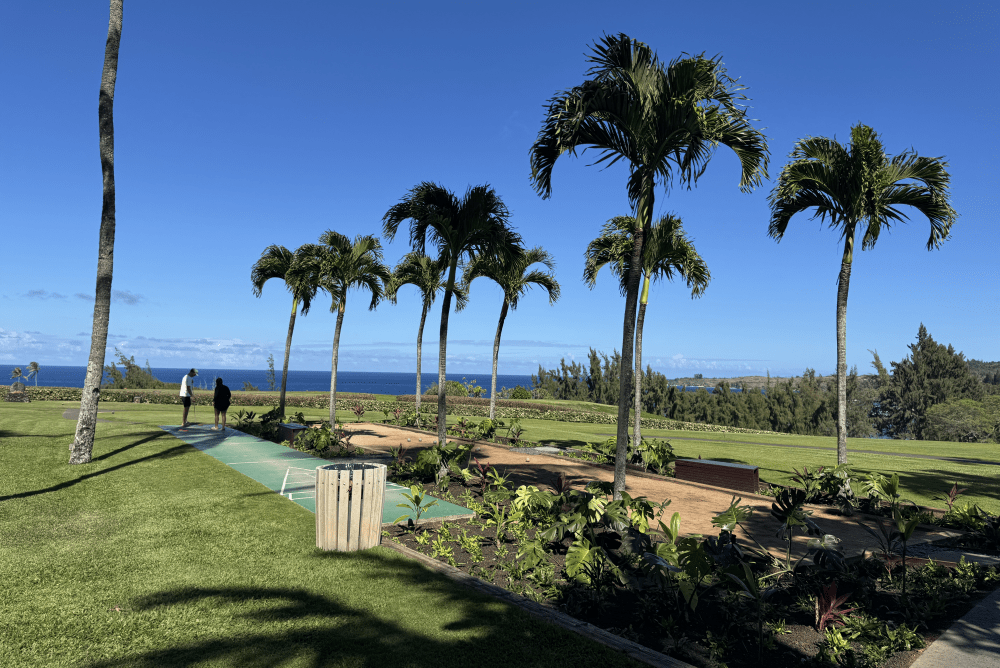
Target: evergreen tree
[(930, 375)]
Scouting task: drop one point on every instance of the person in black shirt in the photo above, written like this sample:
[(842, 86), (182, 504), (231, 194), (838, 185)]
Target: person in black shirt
[(221, 403)]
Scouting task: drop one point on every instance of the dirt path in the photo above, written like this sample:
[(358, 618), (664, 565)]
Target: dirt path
[(696, 503)]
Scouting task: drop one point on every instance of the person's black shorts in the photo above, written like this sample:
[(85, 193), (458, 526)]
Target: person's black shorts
[(222, 408), (187, 401)]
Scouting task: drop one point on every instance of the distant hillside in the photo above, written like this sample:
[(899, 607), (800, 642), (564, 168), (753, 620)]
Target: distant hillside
[(749, 382), (983, 369)]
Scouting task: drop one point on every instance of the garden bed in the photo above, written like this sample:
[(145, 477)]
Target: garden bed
[(623, 593)]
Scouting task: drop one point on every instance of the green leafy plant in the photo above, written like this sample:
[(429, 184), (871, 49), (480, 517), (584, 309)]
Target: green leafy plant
[(358, 411), (902, 639), (787, 509), (749, 587), (904, 531), (834, 646), (417, 504)]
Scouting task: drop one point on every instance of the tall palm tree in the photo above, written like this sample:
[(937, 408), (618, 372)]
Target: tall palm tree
[(856, 184), (86, 426), (32, 371), (667, 250), (514, 279), (343, 264), (658, 118), (428, 275), (476, 224), (293, 268), (16, 374)]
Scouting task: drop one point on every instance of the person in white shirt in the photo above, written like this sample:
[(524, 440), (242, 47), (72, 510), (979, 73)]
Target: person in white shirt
[(187, 391)]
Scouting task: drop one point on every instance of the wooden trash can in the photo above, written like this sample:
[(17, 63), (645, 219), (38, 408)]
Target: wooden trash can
[(349, 499)]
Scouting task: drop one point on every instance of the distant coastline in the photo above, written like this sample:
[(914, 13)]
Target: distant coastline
[(372, 382)]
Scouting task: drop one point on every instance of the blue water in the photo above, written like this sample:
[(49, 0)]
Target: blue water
[(383, 382)]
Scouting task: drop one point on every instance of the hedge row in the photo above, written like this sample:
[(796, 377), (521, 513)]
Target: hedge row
[(201, 398), (479, 401), (522, 410)]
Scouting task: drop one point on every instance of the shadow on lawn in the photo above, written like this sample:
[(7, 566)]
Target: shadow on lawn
[(320, 630), (163, 454)]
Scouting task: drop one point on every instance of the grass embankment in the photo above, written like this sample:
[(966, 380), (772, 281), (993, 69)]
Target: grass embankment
[(156, 555)]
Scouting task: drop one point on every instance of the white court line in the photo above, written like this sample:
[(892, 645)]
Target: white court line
[(282, 492)]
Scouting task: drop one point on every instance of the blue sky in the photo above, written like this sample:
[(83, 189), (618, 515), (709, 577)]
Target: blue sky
[(238, 126)]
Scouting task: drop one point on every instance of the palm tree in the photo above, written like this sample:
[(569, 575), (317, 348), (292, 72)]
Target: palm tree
[(667, 250), (32, 370), (86, 426), (341, 265), (293, 268), (16, 375), (658, 119), (856, 184), (476, 224), (428, 275), (514, 279)]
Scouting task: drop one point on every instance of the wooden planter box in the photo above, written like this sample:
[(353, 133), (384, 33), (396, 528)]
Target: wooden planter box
[(741, 477), (349, 500)]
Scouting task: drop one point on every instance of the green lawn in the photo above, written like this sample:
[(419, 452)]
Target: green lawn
[(922, 479), (157, 555)]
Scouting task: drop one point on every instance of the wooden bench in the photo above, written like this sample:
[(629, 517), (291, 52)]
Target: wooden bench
[(740, 477)]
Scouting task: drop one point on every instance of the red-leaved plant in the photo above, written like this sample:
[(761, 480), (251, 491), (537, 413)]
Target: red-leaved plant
[(827, 604)]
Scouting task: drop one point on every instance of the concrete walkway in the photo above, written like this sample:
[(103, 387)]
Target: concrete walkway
[(971, 642), (289, 472)]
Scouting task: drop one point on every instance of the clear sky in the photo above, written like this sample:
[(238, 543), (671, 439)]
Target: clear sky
[(239, 125)]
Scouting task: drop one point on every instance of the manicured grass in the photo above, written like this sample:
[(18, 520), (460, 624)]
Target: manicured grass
[(155, 555), (921, 479)]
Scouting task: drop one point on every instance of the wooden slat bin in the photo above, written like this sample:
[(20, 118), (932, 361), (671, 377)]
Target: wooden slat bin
[(727, 475), (349, 500)]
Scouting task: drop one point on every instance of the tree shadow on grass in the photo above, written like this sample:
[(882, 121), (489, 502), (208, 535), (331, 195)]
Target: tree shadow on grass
[(163, 454), (321, 630)]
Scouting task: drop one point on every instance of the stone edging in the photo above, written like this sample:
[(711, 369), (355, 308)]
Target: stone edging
[(547, 613)]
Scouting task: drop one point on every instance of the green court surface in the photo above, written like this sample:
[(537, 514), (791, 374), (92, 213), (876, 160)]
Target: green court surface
[(288, 472)]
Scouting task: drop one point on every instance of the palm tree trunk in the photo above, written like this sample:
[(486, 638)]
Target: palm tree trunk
[(644, 215), (288, 350), (496, 354), (442, 349), (333, 371), (83, 443), (842, 286), (420, 343), (637, 425)]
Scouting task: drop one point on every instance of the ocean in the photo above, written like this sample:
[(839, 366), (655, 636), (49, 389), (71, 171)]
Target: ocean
[(372, 382)]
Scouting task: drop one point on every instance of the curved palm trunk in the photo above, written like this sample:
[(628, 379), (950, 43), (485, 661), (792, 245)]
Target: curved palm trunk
[(842, 286), (644, 218), (637, 424), (420, 342), (442, 350), (288, 350), (83, 443), (333, 371), (496, 354)]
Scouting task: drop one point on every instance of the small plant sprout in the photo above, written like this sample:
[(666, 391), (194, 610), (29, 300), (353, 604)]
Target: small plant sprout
[(416, 506), (952, 495)]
